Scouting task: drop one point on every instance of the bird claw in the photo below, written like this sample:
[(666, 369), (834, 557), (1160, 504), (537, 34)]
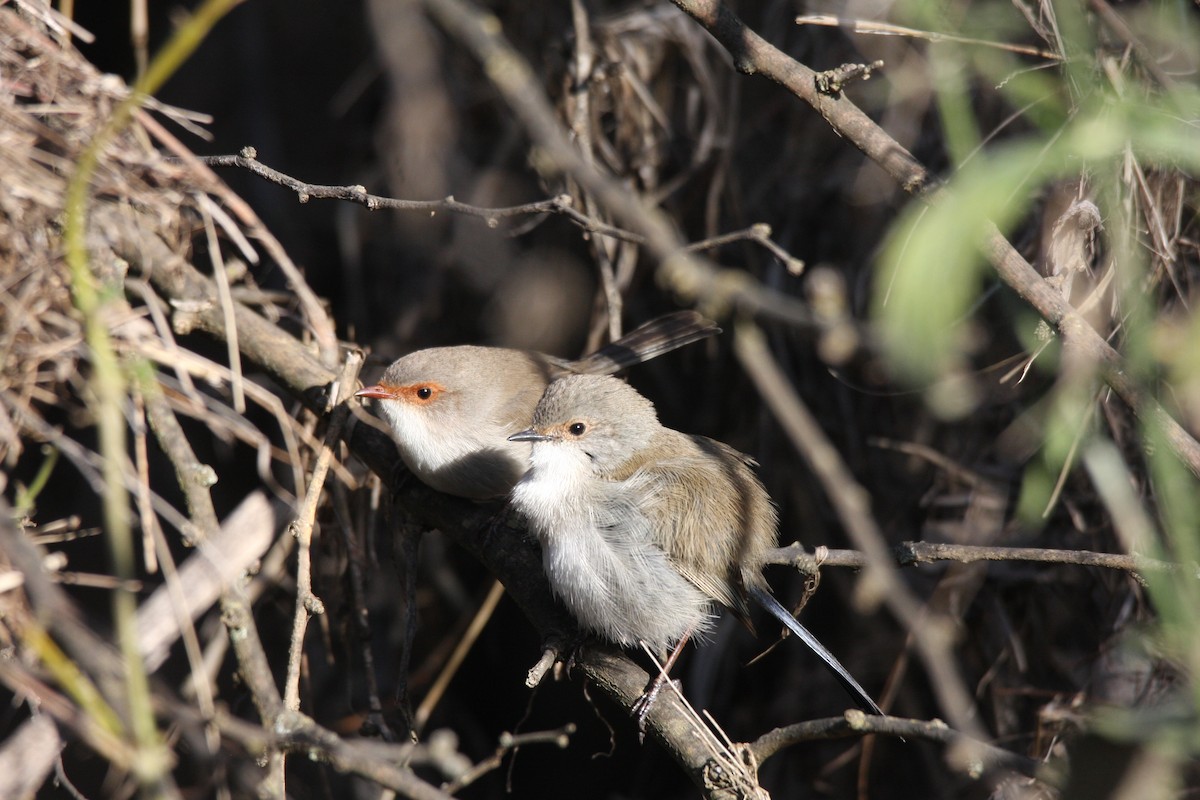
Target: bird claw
[(641, 707)]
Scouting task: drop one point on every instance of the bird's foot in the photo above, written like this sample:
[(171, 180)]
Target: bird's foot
[(641, 708)]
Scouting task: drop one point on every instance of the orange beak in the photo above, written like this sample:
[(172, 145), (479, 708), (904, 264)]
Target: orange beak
[(378, 391)]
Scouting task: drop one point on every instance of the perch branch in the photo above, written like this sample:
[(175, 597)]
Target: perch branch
[(508, 553)]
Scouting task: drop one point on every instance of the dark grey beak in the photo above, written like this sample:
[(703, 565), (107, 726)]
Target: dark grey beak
[(529, 436)]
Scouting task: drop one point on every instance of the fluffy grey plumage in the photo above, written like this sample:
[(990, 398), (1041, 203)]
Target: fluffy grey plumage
[(643, 527)]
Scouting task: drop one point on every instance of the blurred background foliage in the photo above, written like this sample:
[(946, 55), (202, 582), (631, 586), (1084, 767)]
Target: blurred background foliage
[(1111, 130), (1071, 127)]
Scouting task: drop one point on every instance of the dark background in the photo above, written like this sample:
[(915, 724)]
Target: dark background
[(374, 94)]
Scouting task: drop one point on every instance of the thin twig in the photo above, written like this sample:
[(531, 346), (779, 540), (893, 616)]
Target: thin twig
[(374, 761), (509, 742), (307, 603), (857, 724), (888, 29), (314, 312), (881, 583), (288, 732), (406, 543), (248, 160), (753, 55), (226, 299), (219, 561), (1116, 23), (759, 232), (356, 557), (18, 680), (195, 479), (580, 112), (149, 523), (465, 643), (690, 277), (219, 417), (916, 553)]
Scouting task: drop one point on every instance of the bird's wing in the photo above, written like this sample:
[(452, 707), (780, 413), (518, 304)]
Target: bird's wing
[(696, 504)]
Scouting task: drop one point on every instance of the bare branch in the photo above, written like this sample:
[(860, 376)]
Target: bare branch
[(754, 55), (561, 205), (916, 553), (855, 723), (881, 584)]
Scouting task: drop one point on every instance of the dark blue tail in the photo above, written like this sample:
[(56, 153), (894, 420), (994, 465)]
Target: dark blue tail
[(861, 698)]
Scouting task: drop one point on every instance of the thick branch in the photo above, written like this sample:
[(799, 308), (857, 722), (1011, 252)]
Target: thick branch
[(753, 55), (508, 552)]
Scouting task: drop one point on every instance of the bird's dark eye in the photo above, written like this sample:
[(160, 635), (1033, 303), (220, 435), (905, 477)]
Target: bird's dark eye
[(577, 429), (424, 393)]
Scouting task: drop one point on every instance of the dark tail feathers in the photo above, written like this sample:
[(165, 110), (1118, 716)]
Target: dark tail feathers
[(861, 698), (658, 336)]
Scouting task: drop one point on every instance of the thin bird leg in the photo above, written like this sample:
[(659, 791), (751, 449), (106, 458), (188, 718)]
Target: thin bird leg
[(641, 708)]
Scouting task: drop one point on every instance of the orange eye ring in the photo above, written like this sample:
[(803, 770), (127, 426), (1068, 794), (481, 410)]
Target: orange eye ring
[(422, 393)]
